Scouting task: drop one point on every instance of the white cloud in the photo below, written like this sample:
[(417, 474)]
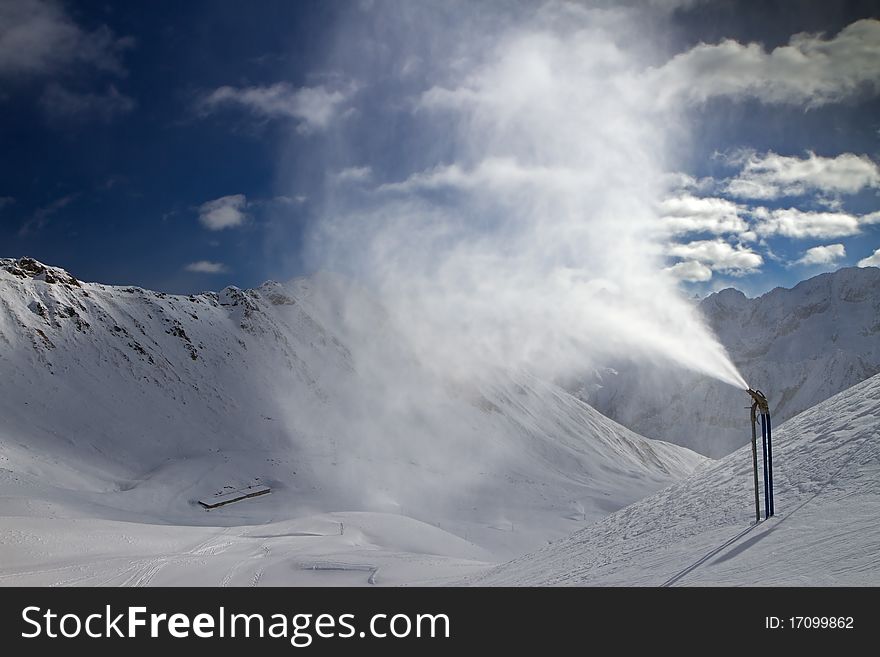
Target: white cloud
[(354, 174), (872, 260), (791, 222), (691, 214), (38, 37), (440, 176), (679, 182), (492, 172), (690, 271), (313, 107), (718, 255), (224, 212), (61, 103), (811, 69), (770, 176), (868, 219), (288, 200), (207, 267), (822, 255)]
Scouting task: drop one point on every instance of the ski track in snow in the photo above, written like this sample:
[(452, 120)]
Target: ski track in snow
[(120, 407), (701, 531)]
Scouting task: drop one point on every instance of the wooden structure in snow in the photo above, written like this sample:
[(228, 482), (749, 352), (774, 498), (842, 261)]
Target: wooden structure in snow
[(234, 495)]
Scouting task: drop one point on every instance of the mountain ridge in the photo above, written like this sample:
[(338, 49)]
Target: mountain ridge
[(125, 404), (800, 345)]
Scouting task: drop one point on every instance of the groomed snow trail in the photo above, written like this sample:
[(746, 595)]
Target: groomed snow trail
[(700, 531)]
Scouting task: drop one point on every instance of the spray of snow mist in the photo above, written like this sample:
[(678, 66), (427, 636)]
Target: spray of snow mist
[(505, 209)]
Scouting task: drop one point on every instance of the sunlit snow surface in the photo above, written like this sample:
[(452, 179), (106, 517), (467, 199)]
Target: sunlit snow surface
[(826, 531), (110, 431), (120, 408)]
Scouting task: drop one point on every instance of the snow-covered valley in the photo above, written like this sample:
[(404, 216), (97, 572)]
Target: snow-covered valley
[(122, 407)]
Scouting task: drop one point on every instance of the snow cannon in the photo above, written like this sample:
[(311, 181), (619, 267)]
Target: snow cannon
[(761, 407), (759, 399)]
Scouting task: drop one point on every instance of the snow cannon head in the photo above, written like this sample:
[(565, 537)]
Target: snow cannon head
[(760, 400)]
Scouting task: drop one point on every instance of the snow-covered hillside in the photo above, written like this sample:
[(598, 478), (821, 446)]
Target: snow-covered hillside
[(120, 407), (701, 531), (800, 346)]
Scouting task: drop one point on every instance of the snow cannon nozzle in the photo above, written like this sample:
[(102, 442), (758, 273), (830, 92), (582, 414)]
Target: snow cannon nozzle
[(760, 400)]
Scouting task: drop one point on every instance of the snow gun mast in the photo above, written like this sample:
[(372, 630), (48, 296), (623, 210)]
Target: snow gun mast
[(762, 408)]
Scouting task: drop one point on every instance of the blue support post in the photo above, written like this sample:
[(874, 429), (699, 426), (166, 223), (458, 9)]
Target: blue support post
[(770, 463), (766, 479)]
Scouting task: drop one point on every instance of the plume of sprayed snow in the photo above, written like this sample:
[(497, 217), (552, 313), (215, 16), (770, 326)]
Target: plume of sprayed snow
[(524, 236)]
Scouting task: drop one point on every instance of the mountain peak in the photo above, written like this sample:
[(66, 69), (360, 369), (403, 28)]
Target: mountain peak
[(31, 268)]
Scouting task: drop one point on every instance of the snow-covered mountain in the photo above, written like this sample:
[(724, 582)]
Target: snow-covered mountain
[(119, 405), (702, 531), (800, 346)]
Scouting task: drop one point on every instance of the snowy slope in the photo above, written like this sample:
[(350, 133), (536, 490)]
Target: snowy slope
[(800, 346), (701, 531), (120, 407)]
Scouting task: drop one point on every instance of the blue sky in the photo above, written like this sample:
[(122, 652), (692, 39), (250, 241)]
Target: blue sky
[(187, 146)]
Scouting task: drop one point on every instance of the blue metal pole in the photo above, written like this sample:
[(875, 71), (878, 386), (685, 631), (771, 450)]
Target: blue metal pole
[(770, 462), (766, 479)]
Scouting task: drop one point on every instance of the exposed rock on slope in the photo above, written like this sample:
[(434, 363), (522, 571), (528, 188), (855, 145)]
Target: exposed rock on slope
[(124, 403)]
